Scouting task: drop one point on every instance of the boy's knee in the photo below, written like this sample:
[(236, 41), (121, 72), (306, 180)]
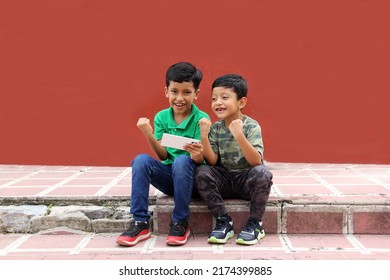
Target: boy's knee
[(182, 163), (261, 173), (201, 171), (182, 159), (141, 160)]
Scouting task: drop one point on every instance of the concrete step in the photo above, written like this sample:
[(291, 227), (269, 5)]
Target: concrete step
[(306, 215), (303, 215)]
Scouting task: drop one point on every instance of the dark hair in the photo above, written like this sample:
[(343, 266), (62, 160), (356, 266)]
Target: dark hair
[(233, 81), (183, 72)]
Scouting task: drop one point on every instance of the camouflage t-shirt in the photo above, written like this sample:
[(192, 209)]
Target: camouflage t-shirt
[(229, 152)]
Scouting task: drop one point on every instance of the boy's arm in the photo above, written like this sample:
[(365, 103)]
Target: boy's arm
[(144, 125), (210, 157), (250, 153)]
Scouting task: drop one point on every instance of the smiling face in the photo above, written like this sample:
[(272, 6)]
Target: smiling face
[(225, 105), (181, 96)]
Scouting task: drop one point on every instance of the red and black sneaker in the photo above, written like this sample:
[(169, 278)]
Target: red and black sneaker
[(178, 233), (137, 232)]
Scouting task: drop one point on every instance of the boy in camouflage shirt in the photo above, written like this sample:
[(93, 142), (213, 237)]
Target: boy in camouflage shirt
[(233, 149)]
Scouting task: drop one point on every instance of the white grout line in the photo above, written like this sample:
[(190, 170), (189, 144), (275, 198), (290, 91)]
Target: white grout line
[(375, 180), (79, 247), (338, 184), (116, 249), (63, 182), (326, 249), (357, 244), (325, 183), (41, 250), (149, 246), (220, 250), (22, 178), (286, 243), (14, 245), (217, 248), (113, 182), (192, 250), (275, 190), (334, 195)]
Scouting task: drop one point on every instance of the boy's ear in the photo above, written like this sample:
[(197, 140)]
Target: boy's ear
[(197, 93), (166, 92), (242, 102)]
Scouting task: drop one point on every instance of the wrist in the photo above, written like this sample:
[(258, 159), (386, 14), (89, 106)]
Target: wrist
[(197, 159)]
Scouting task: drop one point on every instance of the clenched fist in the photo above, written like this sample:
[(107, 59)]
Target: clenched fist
[(204, 125), (235, 127), (144, 125)]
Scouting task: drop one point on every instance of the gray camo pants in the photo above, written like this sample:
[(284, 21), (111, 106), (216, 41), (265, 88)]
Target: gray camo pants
[(215, 183)]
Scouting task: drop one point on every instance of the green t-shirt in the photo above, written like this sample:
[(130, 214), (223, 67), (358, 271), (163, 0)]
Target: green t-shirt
[(229, 152), (165, 123)]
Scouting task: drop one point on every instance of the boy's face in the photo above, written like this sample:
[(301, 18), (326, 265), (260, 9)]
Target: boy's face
[(181, 96), (224, 103)]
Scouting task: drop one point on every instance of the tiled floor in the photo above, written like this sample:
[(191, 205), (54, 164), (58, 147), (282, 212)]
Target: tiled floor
[(290, 179), (273, 247), (369, 183)]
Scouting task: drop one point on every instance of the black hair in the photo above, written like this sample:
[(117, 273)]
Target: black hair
[(233, 81), (183, 72)]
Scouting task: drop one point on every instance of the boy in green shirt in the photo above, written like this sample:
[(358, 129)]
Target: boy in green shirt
[(173, 173), (233, 149)]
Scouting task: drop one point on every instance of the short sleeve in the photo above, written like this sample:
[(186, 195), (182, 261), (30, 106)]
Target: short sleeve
[(159, 127), (254, 136)]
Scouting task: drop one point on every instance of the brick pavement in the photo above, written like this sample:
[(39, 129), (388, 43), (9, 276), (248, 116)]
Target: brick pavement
[(304, 185)]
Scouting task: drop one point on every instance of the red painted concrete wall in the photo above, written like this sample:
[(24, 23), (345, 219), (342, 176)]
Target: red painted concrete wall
[(76, 75)]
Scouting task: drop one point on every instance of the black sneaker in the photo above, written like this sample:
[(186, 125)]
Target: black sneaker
[(178, 233), (223, 231), (251, 234), (137, 232)]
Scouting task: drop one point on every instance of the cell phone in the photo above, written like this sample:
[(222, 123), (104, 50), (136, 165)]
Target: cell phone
[(177, 142)]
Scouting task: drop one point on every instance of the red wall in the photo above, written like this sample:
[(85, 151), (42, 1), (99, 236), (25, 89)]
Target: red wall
[(76, 75)]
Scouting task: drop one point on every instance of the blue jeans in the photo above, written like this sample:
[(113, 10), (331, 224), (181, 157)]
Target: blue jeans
[(176, 180)]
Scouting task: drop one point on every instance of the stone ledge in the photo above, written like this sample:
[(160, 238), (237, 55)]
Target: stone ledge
[(70, 200), (36, 218)]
